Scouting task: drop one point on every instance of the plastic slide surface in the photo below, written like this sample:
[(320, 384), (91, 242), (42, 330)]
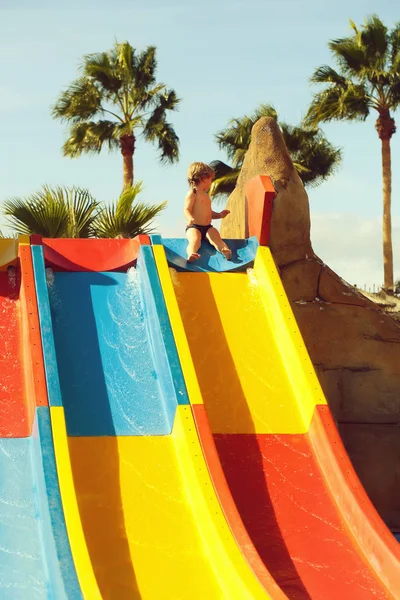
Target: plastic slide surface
[(35, 559), (250, 380), (142, 515)]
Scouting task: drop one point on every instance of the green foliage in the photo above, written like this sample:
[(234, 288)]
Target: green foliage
[(57, 212), (314, 158), (53, 212), (127, 218), (224, 181), (368, 75), (115, 95)]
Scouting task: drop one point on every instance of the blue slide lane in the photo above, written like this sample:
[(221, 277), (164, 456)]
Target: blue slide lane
[(35, 558), (165, 354), (105, 341), (243, 255)]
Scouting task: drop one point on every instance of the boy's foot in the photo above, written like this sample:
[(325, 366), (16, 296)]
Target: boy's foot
[(192, 257), (226, 252)]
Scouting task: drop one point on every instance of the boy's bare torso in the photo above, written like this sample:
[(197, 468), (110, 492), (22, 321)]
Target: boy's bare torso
[(201, 210)]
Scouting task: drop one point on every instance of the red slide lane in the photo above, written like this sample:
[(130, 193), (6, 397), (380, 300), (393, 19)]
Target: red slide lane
[(228, 505), (13, 411), (22, 378), (298, 523)]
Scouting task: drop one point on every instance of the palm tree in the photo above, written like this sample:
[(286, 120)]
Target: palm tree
[(126, 218), (313, 156), (53, 212), (115, 96), (368, 77)]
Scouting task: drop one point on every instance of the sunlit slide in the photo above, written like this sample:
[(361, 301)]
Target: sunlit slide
[(262, 417), (35, 557), (142, 515)]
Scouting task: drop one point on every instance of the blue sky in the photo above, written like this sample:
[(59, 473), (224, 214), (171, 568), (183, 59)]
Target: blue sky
[(223, 59)]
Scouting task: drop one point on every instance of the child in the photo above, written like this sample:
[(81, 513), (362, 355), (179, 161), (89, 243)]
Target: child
[(198, 212)]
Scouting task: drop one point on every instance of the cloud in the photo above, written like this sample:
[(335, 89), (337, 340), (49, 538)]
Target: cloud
[(352, 246)]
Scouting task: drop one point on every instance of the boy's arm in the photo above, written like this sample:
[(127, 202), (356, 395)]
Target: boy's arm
[(189, 203), (220, 215)]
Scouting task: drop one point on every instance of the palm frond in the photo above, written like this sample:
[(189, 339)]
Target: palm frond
[(264, 110), (145, 65), (349, 55), (314, 158), (351, 102), (52, 212), (235, 139), (395, 50), (158, 131), (102, 69), (168, 100), (143, 98), (127, 218), (41, 213), (394, 94), (91, 136), (375, 41), (83, 211), (126, 61), (81, 101), (127, 198), (326, 74), (224, 181)]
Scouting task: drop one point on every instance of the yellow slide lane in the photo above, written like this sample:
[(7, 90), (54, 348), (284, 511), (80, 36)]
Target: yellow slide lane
[(233, 328), (143, 518)]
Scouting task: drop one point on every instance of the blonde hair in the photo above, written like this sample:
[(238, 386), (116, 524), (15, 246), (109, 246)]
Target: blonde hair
[(198, 171)]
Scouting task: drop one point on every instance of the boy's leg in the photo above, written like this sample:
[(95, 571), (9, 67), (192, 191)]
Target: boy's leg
[(194, 237), (215, 240)]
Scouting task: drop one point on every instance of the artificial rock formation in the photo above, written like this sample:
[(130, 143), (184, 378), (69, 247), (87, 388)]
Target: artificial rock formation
[(353, 343)]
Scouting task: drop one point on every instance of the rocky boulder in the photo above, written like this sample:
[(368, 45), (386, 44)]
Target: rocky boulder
[(353, 343)]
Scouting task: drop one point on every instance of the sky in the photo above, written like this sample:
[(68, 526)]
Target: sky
[(223, 59)]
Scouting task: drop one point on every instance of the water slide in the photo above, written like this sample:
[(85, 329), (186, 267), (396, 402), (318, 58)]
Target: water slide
[(142, 514), (163, 433)]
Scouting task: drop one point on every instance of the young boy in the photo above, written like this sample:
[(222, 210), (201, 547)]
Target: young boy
[(198, 212)]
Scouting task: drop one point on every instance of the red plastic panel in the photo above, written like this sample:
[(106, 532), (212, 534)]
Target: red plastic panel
[(228, 504), (14, 418), (91, 254), (292, 518), (260, 194)]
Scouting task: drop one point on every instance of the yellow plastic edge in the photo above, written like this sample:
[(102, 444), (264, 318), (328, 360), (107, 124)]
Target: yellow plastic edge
[(290, 343), (80, 553), (24, 240), (178, 329), (8, 252), (234, 575)]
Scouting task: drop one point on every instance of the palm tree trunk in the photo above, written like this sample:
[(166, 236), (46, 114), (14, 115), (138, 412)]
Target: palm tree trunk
[(127, 143), (387, 216), (385, 127)]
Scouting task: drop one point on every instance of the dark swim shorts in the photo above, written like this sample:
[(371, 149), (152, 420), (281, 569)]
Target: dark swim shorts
[(202, 228)]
